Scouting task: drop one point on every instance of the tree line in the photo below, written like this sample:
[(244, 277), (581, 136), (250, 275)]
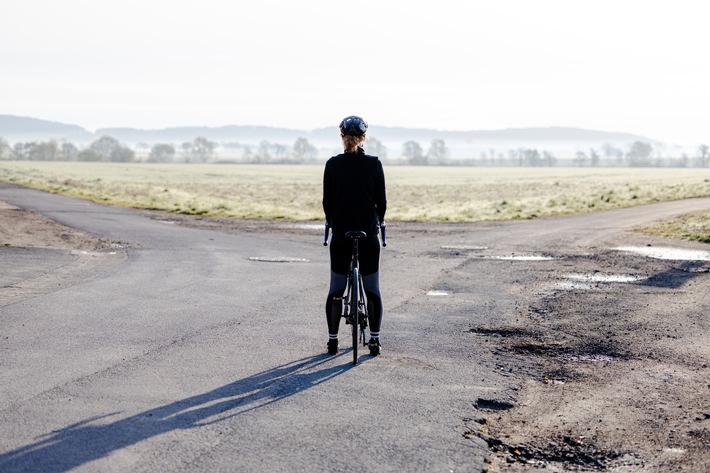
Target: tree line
[(202, 150)]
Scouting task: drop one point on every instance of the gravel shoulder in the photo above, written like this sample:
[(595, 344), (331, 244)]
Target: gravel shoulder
[(608, 351), (41, 255)]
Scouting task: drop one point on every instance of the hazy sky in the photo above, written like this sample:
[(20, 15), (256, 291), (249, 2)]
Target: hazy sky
[(621, 65)]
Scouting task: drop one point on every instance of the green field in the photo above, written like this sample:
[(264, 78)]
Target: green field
[(456, 194)]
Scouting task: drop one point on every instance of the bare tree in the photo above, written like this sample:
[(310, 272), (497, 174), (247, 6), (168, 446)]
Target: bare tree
[(580, 158), (413, 153), (639, 153), (375, 147), (548, 158), (703, 155), (202, 149), (69, 151), (593, 157), (532, 157), (161, 153), (303, 151), (45, 151), (437, 153), (4, 149), (90, 155)]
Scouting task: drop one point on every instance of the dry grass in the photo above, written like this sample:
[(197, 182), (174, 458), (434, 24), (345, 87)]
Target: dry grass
[(693, 226), (414, 193)]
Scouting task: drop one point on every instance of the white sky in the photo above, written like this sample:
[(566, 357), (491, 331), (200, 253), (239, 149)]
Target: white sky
[(621, 65)]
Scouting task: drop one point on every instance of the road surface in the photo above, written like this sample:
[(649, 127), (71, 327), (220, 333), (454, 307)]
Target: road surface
[(185, 345)]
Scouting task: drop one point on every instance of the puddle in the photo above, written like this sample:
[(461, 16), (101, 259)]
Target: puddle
[(608, 278), (589, 358), (278, 259), (522, 258), (676, 254), (463, 247), (591, 281), (437, 293), (309, 226), (168, 222)]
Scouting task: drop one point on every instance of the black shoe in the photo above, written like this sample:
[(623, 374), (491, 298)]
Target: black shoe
[(333, 346), (374, 346)]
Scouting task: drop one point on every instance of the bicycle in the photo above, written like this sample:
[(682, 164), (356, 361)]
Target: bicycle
[(353, 306)]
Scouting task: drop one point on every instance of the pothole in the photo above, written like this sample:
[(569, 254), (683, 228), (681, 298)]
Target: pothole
[(585, 354), (437, 293), (521, 258), (588, 281), (464, 247), (501, 331), (573, 452), (676, 254), (278, 259), (493, 404)]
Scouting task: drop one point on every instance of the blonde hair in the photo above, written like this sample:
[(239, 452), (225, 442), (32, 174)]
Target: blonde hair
[(352, 143)]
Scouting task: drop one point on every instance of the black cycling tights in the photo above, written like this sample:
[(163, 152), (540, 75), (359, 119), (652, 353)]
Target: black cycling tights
[(340, 255)]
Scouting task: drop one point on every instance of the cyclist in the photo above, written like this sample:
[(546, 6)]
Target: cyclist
[(354, 198)]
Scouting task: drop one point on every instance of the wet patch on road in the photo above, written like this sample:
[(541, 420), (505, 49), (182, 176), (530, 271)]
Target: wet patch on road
[(437, 292), (676, 254), (464, 247), (515, 257), (278, 259), (596, 280)]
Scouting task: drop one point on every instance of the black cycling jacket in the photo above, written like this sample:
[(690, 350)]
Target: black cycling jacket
[(354, 196)]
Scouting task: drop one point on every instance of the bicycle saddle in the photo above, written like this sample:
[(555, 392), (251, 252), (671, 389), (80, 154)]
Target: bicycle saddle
[(356, 234)]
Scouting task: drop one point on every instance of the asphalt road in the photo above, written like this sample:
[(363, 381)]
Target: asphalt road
[(180, 352)]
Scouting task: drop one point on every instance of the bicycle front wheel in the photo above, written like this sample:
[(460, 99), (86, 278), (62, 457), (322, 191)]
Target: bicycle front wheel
[(354, 299)]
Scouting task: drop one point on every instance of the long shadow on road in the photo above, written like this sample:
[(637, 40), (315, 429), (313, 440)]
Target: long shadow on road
[(80, 443)]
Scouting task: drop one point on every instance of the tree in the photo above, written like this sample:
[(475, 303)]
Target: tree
[(264, 153), (413, 153), (105, 146), (122, 154), (703, 155), (186, 151), (437, 153), (610, 152), (202, 149), (303, 150), (639, 153), (548, 158), (69, 151), (110, 149), (4, 149), (89, 155), (161, 153), (593, 157), (46, 151), (375, 147), (20, 151), (580, 158), (532, 157)]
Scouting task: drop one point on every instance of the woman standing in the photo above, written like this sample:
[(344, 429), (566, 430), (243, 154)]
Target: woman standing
[(354, 198)]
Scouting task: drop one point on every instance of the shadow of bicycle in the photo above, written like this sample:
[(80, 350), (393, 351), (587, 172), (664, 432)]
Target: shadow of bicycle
[(80, 443)]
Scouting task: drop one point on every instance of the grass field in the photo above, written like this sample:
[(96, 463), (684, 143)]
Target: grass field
[(414, 193)]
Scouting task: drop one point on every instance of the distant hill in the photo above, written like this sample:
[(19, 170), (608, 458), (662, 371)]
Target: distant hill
[(14, 129)]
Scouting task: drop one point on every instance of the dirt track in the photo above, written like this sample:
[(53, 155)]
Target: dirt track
[(608, 354)]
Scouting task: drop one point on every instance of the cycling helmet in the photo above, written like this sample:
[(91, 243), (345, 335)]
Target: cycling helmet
[(353, 125)]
